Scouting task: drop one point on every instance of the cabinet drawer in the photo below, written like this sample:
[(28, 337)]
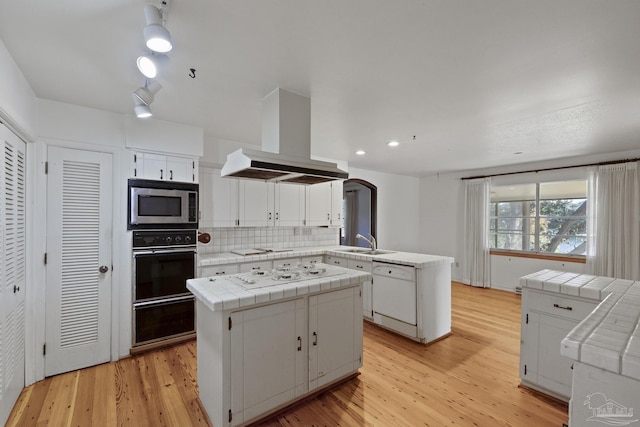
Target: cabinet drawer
[(253, 266), (355, 264), (334, 260), (219, 270), (563, 306), (286, 263), (315, 259)]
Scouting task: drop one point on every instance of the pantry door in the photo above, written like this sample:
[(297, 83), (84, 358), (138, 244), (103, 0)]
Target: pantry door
[(78, 260)]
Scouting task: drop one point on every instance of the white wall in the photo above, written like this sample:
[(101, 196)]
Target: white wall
[(442, 216), (398, 209), (18, 102)]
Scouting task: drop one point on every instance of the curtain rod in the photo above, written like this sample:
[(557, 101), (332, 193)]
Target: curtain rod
[(609, 162)]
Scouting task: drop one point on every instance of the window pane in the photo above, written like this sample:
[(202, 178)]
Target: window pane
[(506, 193)]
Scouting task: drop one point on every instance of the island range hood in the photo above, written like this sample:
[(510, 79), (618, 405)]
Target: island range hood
[(286, 146)]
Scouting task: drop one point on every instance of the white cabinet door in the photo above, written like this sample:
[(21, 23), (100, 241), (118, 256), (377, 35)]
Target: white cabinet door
[(336, 203), (181, 169), (12, 271), (289, 202), (256, 203), (335, 334), (268, 356), (318, 204), (163, 168), (218, 270), (218, 199), (79, 235), (366, 266)]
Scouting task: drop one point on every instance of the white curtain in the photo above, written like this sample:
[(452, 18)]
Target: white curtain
[(614, 241), (476, 262)]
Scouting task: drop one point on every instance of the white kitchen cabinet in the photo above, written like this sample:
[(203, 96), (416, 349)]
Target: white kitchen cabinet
[(367, 301), (336, 203), (546, 319), (324, 204), (264, 204), (267, 368), (313, 259), (248, 267), (163, 168), (253, 361), (335, 334), (336, 260), (218, 270)]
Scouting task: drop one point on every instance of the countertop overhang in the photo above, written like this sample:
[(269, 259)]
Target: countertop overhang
[(608, 338)]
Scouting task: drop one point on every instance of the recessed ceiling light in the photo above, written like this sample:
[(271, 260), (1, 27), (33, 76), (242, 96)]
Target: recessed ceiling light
[(361, 152), (393, 143)]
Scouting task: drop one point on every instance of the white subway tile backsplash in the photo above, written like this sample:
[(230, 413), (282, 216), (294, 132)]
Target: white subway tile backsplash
[(228, 239)]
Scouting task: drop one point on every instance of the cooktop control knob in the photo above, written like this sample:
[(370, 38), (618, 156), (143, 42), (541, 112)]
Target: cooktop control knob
[(187, 239), (178, 239), (168, 239)]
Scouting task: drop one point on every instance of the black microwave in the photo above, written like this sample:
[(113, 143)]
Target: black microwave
[(162, 204)]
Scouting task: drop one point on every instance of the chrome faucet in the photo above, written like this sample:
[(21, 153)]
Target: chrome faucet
[(372, 242)]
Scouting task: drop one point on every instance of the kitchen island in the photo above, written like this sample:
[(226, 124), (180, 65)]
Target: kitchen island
[(267, 339), (602, 351), (408, 293)]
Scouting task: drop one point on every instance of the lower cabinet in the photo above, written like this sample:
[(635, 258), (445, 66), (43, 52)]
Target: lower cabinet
[(335, 336), (254, 361), (546, 319), (367, 287), (267, 358)]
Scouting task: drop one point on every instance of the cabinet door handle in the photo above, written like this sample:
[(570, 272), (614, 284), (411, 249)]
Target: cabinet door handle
[(269, 216), (277, 216), (161, 174), (256, 268), (315, 338), (328, 216), (563, 307), (220, 273), (171, 175), (299, 344)]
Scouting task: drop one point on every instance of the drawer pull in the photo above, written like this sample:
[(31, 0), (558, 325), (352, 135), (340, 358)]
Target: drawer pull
[(564, 307)]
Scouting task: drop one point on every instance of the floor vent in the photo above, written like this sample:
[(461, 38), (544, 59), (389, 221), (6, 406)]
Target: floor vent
[(519, 290)]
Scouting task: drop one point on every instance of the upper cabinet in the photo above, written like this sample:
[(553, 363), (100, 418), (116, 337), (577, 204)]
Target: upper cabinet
[(218, 199), (164, 168), (324, 204), (263, 204), (228, 202)]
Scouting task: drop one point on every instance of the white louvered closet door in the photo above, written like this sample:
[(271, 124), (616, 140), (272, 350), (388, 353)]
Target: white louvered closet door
[(79, 235), (12, 271)]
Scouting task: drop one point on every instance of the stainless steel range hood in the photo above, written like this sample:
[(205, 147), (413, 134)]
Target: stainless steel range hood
[(286, 145)]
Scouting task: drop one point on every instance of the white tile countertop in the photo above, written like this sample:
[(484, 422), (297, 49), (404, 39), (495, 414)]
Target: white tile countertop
[(222, 293), (608, 338), (406, 258)]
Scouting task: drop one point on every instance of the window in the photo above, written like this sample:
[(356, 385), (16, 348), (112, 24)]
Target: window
[(549, 217)]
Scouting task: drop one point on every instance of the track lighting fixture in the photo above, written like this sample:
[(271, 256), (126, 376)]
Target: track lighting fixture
[(156, 36), (150, 63), (143, 97)]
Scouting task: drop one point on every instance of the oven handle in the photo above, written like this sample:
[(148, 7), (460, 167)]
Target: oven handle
[(162, 301), (163, 251)]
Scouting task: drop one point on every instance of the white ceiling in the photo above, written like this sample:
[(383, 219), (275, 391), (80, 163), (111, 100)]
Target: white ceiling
[(475, 81)]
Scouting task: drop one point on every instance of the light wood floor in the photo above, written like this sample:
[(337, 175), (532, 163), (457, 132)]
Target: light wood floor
[(467, 379)]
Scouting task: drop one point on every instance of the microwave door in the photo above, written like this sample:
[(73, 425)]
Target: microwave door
[(155, 206)]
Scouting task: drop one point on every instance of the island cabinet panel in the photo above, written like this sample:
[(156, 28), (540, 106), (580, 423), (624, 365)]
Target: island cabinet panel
[(335, 328), (267, 358), (547, 318)]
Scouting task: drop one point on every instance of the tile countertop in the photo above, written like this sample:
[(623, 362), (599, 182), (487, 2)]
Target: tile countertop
[(405, 258), (222, 293), (609, 338)]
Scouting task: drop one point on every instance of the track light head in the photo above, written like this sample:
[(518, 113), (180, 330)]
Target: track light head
[(142, 111), (156, 36), (143, 97), (150, 64)]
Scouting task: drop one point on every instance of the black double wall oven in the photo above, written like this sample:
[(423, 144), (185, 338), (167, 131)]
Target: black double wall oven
[(163, 217)]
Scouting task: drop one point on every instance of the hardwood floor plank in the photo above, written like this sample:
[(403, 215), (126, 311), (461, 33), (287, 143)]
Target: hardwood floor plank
[(468, 379)]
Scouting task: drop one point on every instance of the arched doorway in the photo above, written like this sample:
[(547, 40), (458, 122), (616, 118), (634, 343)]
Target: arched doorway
[(359, 206)]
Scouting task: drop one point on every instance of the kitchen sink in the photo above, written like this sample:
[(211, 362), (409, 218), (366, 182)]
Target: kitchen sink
[(364, 251)]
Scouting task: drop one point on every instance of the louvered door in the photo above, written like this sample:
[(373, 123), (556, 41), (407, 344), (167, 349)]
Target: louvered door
[(79, 234), (12, 270)]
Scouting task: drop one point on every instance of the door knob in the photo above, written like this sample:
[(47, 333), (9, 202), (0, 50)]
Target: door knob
[(103, 269)]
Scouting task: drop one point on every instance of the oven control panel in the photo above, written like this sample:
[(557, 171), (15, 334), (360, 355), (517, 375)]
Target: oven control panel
[(163, 238)]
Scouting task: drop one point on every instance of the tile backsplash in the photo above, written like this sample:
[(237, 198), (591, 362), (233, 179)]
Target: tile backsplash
[(226, 239)]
